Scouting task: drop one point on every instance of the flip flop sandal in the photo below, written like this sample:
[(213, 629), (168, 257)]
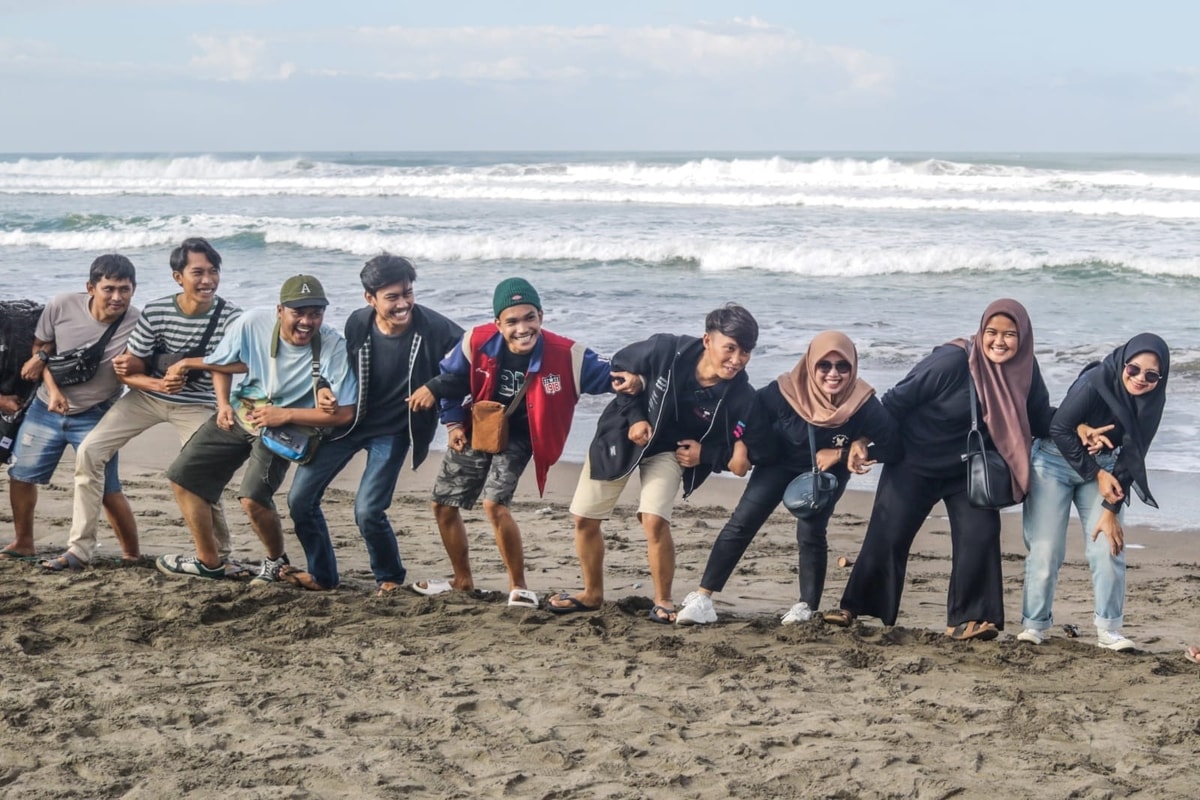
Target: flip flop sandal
[(983, 631), (840, 618), (8, 554), (523, 598), (657, 613), (67, 562), (575, 604), (432, 588), (1192, 657), (298, 577)]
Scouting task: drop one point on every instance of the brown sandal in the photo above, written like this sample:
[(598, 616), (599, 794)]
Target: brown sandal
[(840, 618), (298, 577), (983, 631)]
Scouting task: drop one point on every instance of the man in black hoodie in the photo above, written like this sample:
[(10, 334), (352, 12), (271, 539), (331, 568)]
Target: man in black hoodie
[(395, 346), (687, 424)]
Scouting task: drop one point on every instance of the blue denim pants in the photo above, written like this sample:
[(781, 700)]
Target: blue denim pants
[(1054, 485), (44, 436), (385, 457)]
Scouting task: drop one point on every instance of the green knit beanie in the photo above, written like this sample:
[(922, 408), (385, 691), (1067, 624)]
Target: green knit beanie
[(514, 292)]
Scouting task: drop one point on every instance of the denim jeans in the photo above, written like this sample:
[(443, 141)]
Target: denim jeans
[(44, 436), (385, 457), (1054, 485)]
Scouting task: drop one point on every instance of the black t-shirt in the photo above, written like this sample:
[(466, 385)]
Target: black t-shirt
[(512, 376), (387, 390), (694, 408)]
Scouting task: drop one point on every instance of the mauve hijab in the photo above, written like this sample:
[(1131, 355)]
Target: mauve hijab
[(1003, 391), (802, 387), (1140, 415)]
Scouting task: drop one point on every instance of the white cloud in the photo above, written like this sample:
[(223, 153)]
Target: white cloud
[(734, 50), (239, 57)]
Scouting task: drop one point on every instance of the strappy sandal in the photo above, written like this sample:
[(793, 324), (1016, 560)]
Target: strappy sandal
[(975, 629), (67, 562), (840, 618)]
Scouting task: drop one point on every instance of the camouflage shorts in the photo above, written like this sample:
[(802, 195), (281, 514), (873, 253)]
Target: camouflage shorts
[(467, 475)]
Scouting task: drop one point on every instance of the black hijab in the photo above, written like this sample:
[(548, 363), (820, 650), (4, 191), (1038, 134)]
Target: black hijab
[(1139, 415)]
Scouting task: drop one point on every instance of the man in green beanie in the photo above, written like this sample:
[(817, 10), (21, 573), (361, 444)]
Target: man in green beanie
[(538, 376)]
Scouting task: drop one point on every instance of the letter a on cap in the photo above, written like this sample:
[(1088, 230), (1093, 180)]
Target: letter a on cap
[(304, 288)]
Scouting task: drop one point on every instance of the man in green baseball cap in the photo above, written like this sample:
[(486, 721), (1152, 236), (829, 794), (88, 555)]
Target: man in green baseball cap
[(302, 291), (276, 348)]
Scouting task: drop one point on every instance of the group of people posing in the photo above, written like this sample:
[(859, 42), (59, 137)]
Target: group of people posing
[(506, 391)]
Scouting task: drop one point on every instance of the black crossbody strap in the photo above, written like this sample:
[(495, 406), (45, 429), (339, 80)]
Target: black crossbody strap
[(812, 446), (198, 350), (96, 351)]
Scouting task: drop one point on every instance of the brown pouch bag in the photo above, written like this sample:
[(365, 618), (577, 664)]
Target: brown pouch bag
[(489, 427)]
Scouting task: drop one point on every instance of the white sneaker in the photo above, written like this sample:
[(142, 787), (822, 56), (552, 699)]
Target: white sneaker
[(1032, 635), (797, 614), (697, 609), (1113, 640)]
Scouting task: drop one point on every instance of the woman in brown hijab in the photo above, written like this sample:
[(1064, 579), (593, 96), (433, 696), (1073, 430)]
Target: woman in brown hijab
[(824, 394), (932, 407)]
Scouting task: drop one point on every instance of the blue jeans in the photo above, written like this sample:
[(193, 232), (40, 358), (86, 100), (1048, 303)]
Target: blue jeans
[(44, 436), (1054, 485), (385, 457)]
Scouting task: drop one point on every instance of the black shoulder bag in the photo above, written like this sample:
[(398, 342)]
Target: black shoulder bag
[(989, 481), (810, 493), (160, 362), (10, 424), (79, 365)]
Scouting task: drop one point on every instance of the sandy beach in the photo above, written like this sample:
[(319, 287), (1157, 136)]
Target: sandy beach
[(122, 682)]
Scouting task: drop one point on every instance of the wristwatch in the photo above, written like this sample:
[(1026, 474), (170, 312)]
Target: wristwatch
[(43, 356)]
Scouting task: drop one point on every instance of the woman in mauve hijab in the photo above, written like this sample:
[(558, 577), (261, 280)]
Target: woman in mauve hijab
[(932, 408), (1120, 401), (822, 393)]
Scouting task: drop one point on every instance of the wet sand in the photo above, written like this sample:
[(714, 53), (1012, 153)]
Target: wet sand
[(122, 682)]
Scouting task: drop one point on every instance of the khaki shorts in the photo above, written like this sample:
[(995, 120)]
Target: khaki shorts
[(660, 475)]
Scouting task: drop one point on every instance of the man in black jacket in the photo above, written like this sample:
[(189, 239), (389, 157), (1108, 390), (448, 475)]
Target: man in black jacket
[(395, 346), (687, 424)]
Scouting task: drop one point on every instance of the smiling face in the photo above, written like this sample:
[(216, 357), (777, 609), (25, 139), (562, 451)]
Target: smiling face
[(110, 298), (723, 359), (832, 372), (520, 326), (199, 280), (393, 306), (298, 325), (1142, 364), (1000, 339)]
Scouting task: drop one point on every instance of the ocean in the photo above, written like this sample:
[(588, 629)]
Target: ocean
[(902, 251)]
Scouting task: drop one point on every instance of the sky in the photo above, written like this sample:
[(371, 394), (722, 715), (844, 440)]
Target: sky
[(748, 76)]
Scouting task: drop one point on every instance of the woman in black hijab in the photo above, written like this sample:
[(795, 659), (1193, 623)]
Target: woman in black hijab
[(1121, 398)]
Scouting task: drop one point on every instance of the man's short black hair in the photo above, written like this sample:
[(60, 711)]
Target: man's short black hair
[(735, 322), (386, 269), (114, 267), (195, 244)]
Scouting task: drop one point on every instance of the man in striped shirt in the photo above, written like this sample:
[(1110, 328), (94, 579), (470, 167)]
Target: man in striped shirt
[(188, 324)]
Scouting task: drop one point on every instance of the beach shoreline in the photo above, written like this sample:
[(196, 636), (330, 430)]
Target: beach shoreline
[(122, 682)]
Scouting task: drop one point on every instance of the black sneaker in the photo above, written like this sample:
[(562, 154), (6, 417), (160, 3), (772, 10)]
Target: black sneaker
[(269, 572)]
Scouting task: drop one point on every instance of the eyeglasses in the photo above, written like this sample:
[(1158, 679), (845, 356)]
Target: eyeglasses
[(843, 367), (1133, 370)]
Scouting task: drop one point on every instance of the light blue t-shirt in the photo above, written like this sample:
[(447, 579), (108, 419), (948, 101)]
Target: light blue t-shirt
[(249, 341)]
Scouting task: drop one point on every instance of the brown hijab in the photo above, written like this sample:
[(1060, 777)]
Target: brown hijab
[(1003, 391), (801, 386)]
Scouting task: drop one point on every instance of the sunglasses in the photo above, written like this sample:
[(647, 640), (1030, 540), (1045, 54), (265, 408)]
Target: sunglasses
[(1150, 376), (843, 367)]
